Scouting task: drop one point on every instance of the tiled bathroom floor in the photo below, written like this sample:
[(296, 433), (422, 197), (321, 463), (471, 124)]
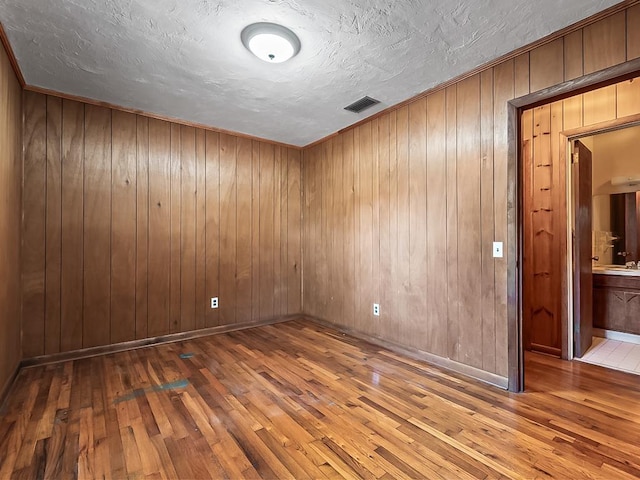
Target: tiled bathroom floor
[(614, 354)]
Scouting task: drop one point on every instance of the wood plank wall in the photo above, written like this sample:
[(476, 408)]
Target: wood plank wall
[(544, 209), (402, 210), (131, 224), (10, 191)]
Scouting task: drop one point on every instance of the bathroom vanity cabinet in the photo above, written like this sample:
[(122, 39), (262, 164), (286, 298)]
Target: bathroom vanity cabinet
[(616, 302)]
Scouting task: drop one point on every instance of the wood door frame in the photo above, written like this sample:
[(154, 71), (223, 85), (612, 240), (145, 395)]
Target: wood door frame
[(515, 179)]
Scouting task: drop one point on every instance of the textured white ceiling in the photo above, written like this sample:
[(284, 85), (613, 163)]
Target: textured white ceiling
[(184, 58)]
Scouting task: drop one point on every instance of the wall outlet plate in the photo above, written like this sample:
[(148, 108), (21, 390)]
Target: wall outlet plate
[(376, 309), (214, 302)]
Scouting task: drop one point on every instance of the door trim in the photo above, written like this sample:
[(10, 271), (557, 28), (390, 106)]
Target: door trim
[(586, 83)]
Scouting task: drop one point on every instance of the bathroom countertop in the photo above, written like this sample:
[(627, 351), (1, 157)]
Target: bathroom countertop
[(615, 270)]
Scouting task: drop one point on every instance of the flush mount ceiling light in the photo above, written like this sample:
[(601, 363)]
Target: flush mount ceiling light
[(270, 42)]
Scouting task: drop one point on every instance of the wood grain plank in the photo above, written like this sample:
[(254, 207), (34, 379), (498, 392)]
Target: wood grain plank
[(267, 189), (573, 65), (201, 220), (243, 283), (294, 220), (53, 267), (404, 233), (393, 300), (264, 420), (142, 226), (604, 43), (437, 223), (228, 225), (97, 226), (255, 231), (469, 214), (72, 274), (521, 75), (284, 228), (159, 227), (123, 228), (546, 65), (487, 225), (188, 229), (348, 180), (503, 92), (599, 105), (418, 222), (385, 286), (453, 302), (365, 210), (627, 98), (175, 222), (633, 32), (212, 227), (277, 227), (34, 223)]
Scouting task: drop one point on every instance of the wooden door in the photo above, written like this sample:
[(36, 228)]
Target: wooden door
[(583, 277)]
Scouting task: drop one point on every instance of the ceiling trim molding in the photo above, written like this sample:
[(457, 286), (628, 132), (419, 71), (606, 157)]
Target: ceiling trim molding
[(12, 58), (620, 7), (165, 118)]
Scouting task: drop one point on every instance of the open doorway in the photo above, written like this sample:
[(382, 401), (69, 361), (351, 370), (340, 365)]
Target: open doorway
[(610, 224), (547, 134)]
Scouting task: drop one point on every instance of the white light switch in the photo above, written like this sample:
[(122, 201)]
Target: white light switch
[(497, 250)]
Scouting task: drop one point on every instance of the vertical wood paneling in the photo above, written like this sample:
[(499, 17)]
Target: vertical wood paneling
[(547, 65), (212, 227), (349, 248), (294, 232), (487, 221), (418, 191), (385, 292), (453, 303), (134, 223), (188, 229), (255, 231), (34, 228), (228, 210), (72, 231), (573, 67), (159, 227), (175, 196), (123, 230), (521, 75), (599, 105), (404, 232), (267, 189), (437, 224), (11, 149), (627, 98), (633, 32), (243, 228), (142, 226), (469, 220), (503, 92), (53, 227), (604, 43), (201, 220), (97, 226)]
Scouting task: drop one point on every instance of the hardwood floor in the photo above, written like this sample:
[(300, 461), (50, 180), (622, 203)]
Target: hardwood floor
[(296, 400)]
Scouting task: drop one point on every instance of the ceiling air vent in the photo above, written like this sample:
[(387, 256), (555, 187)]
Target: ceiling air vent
[(362, 104)]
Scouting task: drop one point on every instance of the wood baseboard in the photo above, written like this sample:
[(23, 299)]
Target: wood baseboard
[(148, 342), (6, 388), (483, 376)]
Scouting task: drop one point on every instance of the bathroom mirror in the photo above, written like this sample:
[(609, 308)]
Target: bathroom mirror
[(616, 235)]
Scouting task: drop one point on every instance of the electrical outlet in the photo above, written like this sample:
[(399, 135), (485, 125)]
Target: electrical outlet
[(214, 302), (376, 309), (497, 250)]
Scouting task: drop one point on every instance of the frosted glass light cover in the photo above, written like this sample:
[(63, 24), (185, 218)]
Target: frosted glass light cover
[(270, 42), (271, 48)]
